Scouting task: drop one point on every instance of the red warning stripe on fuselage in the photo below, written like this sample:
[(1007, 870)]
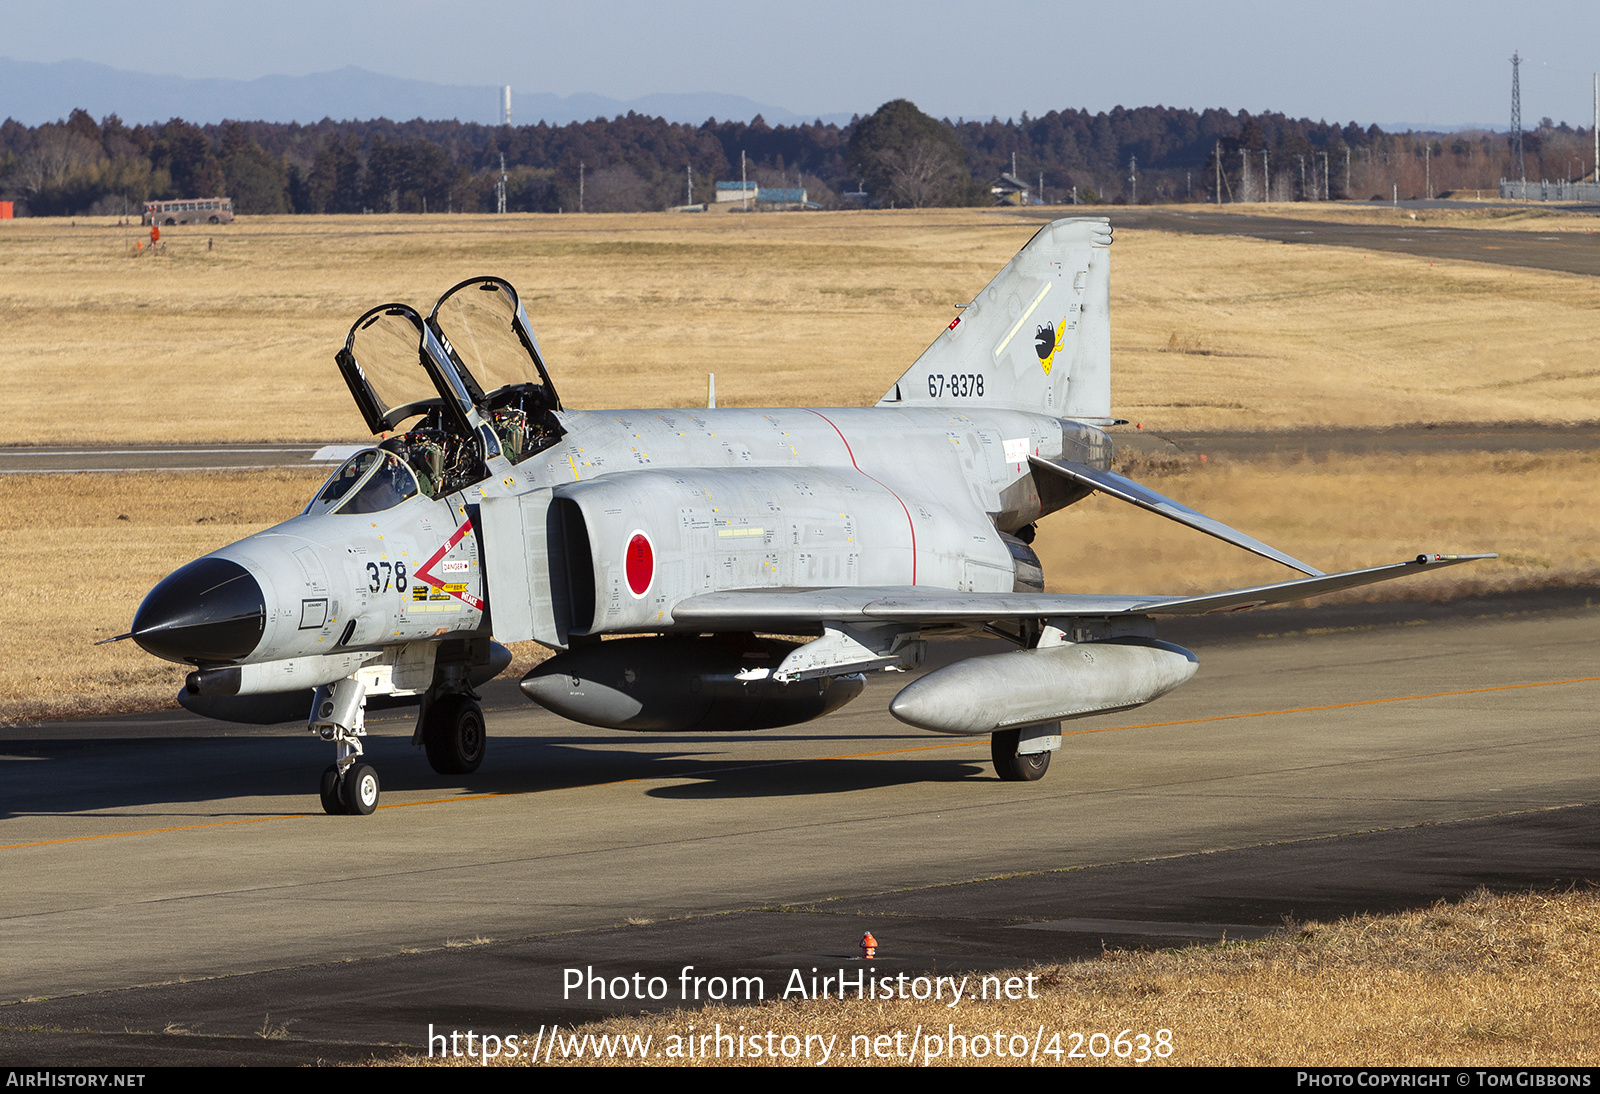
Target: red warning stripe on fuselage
[(428, 577)]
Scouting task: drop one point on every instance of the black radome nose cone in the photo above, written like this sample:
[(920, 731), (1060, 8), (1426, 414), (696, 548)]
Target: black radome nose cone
[(210, 610)]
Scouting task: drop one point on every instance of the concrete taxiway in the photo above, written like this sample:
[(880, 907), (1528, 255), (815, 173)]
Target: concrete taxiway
[(172, 893), (1567, 252)]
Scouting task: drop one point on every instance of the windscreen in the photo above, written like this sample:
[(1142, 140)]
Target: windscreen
[(352, 471), (389, 484)]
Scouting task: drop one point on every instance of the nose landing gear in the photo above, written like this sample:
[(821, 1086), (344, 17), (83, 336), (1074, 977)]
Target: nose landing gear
[(338, 714), (450, 727)]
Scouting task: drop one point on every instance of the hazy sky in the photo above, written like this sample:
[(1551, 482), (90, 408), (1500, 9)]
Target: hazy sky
[(1384, 62)]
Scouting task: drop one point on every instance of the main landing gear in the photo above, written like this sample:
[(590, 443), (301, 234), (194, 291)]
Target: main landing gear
[(451, 727), (1023, 755)]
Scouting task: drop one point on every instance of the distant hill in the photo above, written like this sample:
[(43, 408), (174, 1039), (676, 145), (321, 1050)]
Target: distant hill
[(34, 93)]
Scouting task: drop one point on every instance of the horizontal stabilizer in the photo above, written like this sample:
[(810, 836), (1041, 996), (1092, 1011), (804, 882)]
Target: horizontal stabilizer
[(1125, 489), (774, 609)]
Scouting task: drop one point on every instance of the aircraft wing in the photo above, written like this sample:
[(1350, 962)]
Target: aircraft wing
[(1125, 489), (772, 609)]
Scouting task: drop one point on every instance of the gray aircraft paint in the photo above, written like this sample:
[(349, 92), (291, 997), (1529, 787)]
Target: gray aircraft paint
[(869, 528)]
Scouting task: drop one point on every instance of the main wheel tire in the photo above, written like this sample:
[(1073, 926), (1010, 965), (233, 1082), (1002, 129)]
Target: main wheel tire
[(1011, 767), (332, 801), (359, 789), (454, 735)]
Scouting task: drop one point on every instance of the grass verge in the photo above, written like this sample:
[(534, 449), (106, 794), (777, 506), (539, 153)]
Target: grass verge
[(1491, 981)]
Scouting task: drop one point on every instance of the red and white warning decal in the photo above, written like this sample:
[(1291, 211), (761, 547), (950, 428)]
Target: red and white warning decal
[(639, 564), (426, 575)]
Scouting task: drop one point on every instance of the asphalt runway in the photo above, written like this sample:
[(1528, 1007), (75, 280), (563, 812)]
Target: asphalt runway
[(101, 459), (173, 895), (1300, 444), (1567, 252)]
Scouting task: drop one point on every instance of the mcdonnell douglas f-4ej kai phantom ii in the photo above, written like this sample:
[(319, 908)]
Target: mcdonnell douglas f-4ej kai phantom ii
[(491, 511)]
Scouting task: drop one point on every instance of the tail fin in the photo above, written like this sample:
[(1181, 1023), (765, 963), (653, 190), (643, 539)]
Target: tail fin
[(1037, 339)]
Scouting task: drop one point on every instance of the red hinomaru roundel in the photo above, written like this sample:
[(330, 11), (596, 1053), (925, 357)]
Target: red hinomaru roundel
[(639, 564)]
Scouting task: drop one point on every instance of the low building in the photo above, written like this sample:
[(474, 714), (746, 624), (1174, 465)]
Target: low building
[(1010, 190), (778, 197), (736, 191)]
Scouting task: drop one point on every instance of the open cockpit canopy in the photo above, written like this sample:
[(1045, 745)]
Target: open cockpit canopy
[(482, 325), (482, 329), (382, 362), (456, 390)]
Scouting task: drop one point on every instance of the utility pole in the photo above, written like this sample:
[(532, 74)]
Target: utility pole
[(500, 187), (688, 187), (744, 185), (1303, 176), (580, 186), (1218, 158), (1244, 174), (1266, 177), (1325, 176), (1133, 177), (1427, 167)]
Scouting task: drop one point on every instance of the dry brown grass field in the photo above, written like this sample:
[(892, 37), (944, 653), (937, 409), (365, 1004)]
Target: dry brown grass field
[(1493, 981), (235, 342)]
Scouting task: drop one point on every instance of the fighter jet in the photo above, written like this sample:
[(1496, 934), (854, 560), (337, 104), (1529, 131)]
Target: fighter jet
[(485, 512)]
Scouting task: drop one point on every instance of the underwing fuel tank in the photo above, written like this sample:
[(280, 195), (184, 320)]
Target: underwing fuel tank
[(717, 684), (1032, 687)]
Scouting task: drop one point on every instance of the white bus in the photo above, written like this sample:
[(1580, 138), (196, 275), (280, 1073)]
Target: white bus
[(189, 211)]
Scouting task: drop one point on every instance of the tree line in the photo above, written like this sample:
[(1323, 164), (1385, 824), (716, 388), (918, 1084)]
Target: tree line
[(896, 156)]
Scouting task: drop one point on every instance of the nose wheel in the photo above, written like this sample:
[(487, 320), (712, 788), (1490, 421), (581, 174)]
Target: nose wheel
[(332, 802), (355, 793)]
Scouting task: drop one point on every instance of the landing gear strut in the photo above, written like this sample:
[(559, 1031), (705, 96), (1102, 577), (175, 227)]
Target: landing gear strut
[(338, 714)]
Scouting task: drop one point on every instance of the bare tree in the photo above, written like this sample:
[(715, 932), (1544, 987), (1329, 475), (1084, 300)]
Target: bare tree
[(923, 173), (53, 155)]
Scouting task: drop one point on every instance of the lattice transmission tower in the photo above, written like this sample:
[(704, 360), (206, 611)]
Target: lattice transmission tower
[(1516, 117)]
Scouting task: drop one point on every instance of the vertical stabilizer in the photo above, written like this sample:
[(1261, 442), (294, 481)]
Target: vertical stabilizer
[(1038, 338)]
